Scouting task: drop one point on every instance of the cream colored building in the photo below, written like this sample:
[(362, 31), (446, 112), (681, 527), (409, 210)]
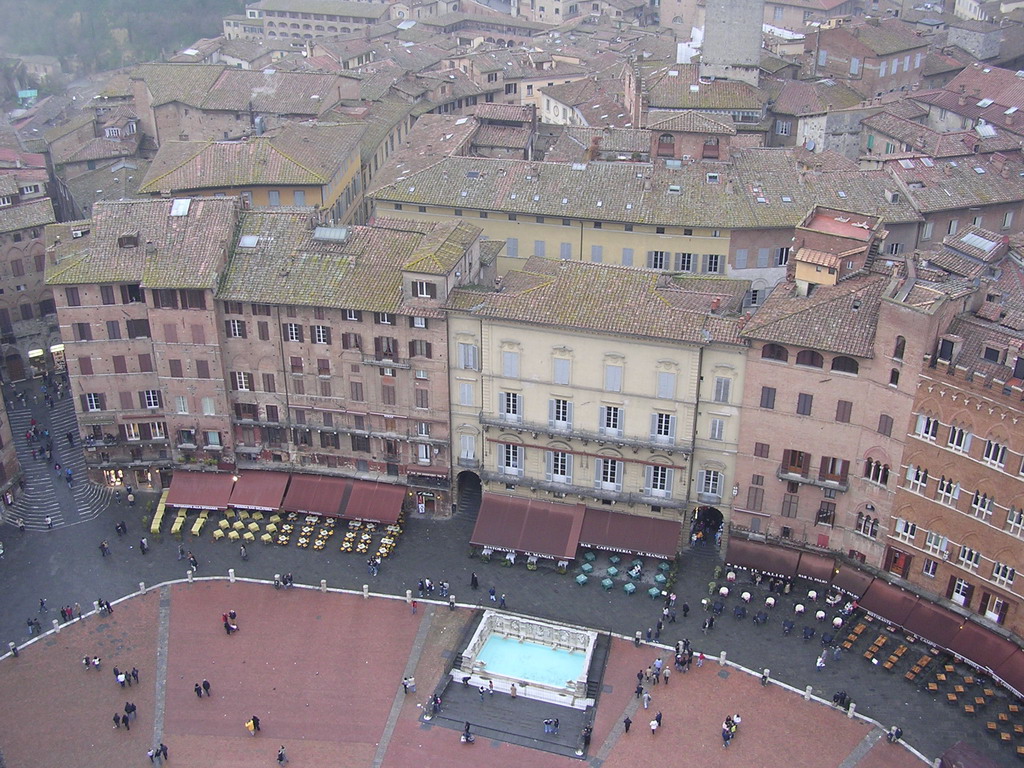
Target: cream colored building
[(560, 396)]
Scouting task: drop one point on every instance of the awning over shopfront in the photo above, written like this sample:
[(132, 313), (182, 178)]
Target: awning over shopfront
[(984, 648), (259, 490), (889, 602), (317, 495), (1011, 672), (776, 561), (200, 490), (376, 502), (817, 567), (851, 580), (934, 622), (530, 526), (632, 534)]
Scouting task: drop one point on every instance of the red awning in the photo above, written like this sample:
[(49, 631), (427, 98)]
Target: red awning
[(530, 526), (935, 623), (317, 495), (852, 580), (776, 561), (259, 490), (376, 502), (981, 646), (888, 601), (817, 567), (1011, 672), (632, 534), (200, 490)]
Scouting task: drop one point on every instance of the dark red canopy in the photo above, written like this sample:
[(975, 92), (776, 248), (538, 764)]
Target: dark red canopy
[(200, 490), (531, 526), (632, 534)]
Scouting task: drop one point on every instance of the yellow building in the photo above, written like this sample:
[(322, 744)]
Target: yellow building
[(579, 385), (302, 165)]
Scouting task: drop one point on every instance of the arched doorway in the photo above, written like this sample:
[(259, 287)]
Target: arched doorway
[(707, 522), (469, 493)]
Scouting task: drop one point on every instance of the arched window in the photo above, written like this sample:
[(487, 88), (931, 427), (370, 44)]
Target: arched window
[(845, 365), (894, 377), (876, 472), (900, 348), (775, 352), (666, 138), (810, 358)]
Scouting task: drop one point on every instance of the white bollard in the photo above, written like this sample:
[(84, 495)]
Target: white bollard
[(807, 693), (188, 575), (366, 591), (851, 710), (231, 575), (408, 596), (142, 587), (56, 626), (721, 659), (14, 649), (323, 585)]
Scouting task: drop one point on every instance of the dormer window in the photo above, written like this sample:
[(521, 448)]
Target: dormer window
[(130, 128), (113, 132), (128, 240), (6, 200)]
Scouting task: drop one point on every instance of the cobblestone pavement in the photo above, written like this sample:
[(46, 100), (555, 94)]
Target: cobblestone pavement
[(64, 565)]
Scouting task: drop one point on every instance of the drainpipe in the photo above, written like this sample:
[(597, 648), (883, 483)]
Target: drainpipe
[(284, 371)]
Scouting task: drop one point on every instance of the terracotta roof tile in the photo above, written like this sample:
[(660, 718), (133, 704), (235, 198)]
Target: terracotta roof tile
[(34, 213)]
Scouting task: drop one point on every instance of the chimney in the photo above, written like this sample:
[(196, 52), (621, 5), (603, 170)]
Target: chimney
[(716, 303), (947, 169), (962, 100), (1009, 118)]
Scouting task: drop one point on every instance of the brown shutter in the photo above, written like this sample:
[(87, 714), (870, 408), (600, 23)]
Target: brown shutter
[(950, 587)]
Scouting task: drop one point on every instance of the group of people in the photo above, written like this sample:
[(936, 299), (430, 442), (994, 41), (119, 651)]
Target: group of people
[(127, 718), (230, 622), (729, 729), (125, 677), (425, 587)]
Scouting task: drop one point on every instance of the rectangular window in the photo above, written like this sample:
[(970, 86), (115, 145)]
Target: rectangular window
[(947, 491), (826, 514), (666, 385), (510, 459), (420, 348), (120, 363), (72, 296), (321, 334), (717, 431), (263, 330), (241, 381), (844, 409), (927, 229), (388, 395), (355, 390), (885, 425), (981, 505), (612, 378), (762, 450), (768, 397), (235, 329), (804, 402), (659, 481), (1015, 522), (82, 331), (610, 420), (905, 530), (151, 398), (561, 370), (467, 447), (658, 259), (1003, 574), (138, 329), (930, 567), (713, 263), (93, 401), (85, 366), (559, 466), (469, 356), (510, 364), (609, 474), (107, 294), (273, 198), (113, 330), (293, 332), (723, 389), (422, 398), (663, 427), (424, 290), (181, 404), (790, 504), (709, 482), (466, 394), (969, 558), (209, 406), (510, 406), (146, 363), (560, 414)]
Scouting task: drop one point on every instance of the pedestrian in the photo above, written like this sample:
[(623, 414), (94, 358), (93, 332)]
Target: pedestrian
[(836, 653), (42, 605), (78, 610), (502, 603), (151, 754), (163, 751), (117, 720), (666, 673), (206, 687), (726, 736), (640, 676), (554, 725), (639, 690), (144, 545), (181, 551), (250, 726), (647, 700), (513, 691), (547, 725), (131, 499), (654, 727), (282, 758), (130, 708), (490, 687), (421, 588), (626, 723), (104, 548), (820, 663), (199, 690), (649, 633), (658, 718), (671, 615), (49, 522), (85, 663), (121, 678), (192, 561), (482, 692), (494, 594), (700, 660), (405, 685), (135, 674), (474, 582), (21, 525), (686, 609), (71, 438), (414, 606)]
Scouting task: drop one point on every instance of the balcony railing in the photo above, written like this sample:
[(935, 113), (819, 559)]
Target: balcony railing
[(386, 362), (792, 475), (583, 491), (631, 441)]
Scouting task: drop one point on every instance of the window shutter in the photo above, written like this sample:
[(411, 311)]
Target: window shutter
[(142, 399), (551, 413), (502, 402), (122, 430), (669, 475), (145, 432), (243, 327), (227, 329), (602, 418), (985, 597), (969, 596), (950, 587), (412, 349), (921, 421), (85, 402), (1002, 612), (649, 478), (234, 380), (103, 402), (568, 465), (549, 464), (654, 426), (597, 471), (700, 481), (428, 349), (672, 427), (568, 412), (967, 442), (160, 398), (284, 331)]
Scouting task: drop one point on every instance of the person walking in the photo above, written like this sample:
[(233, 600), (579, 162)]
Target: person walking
[(493, 594), (49, 522), (282, 758), (658, 718), (474, 582), (104, 548), (199, 690), (501, 604), (181, 551), (626, 723), (647, 700), (654, 727), (414, 606), (192, 561), (163, 751), (666, 673), (206, 686), (117, 720), (135, 675), (143, 545)]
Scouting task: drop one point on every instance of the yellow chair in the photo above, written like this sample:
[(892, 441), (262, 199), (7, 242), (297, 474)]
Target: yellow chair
[(271, 528), (233, 536), (257, 515), (243, 514), (254, 527), (248, 536), (229, 514), (275, 518), (266, 538), (223, 524), (218, 534), (238, 525)]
